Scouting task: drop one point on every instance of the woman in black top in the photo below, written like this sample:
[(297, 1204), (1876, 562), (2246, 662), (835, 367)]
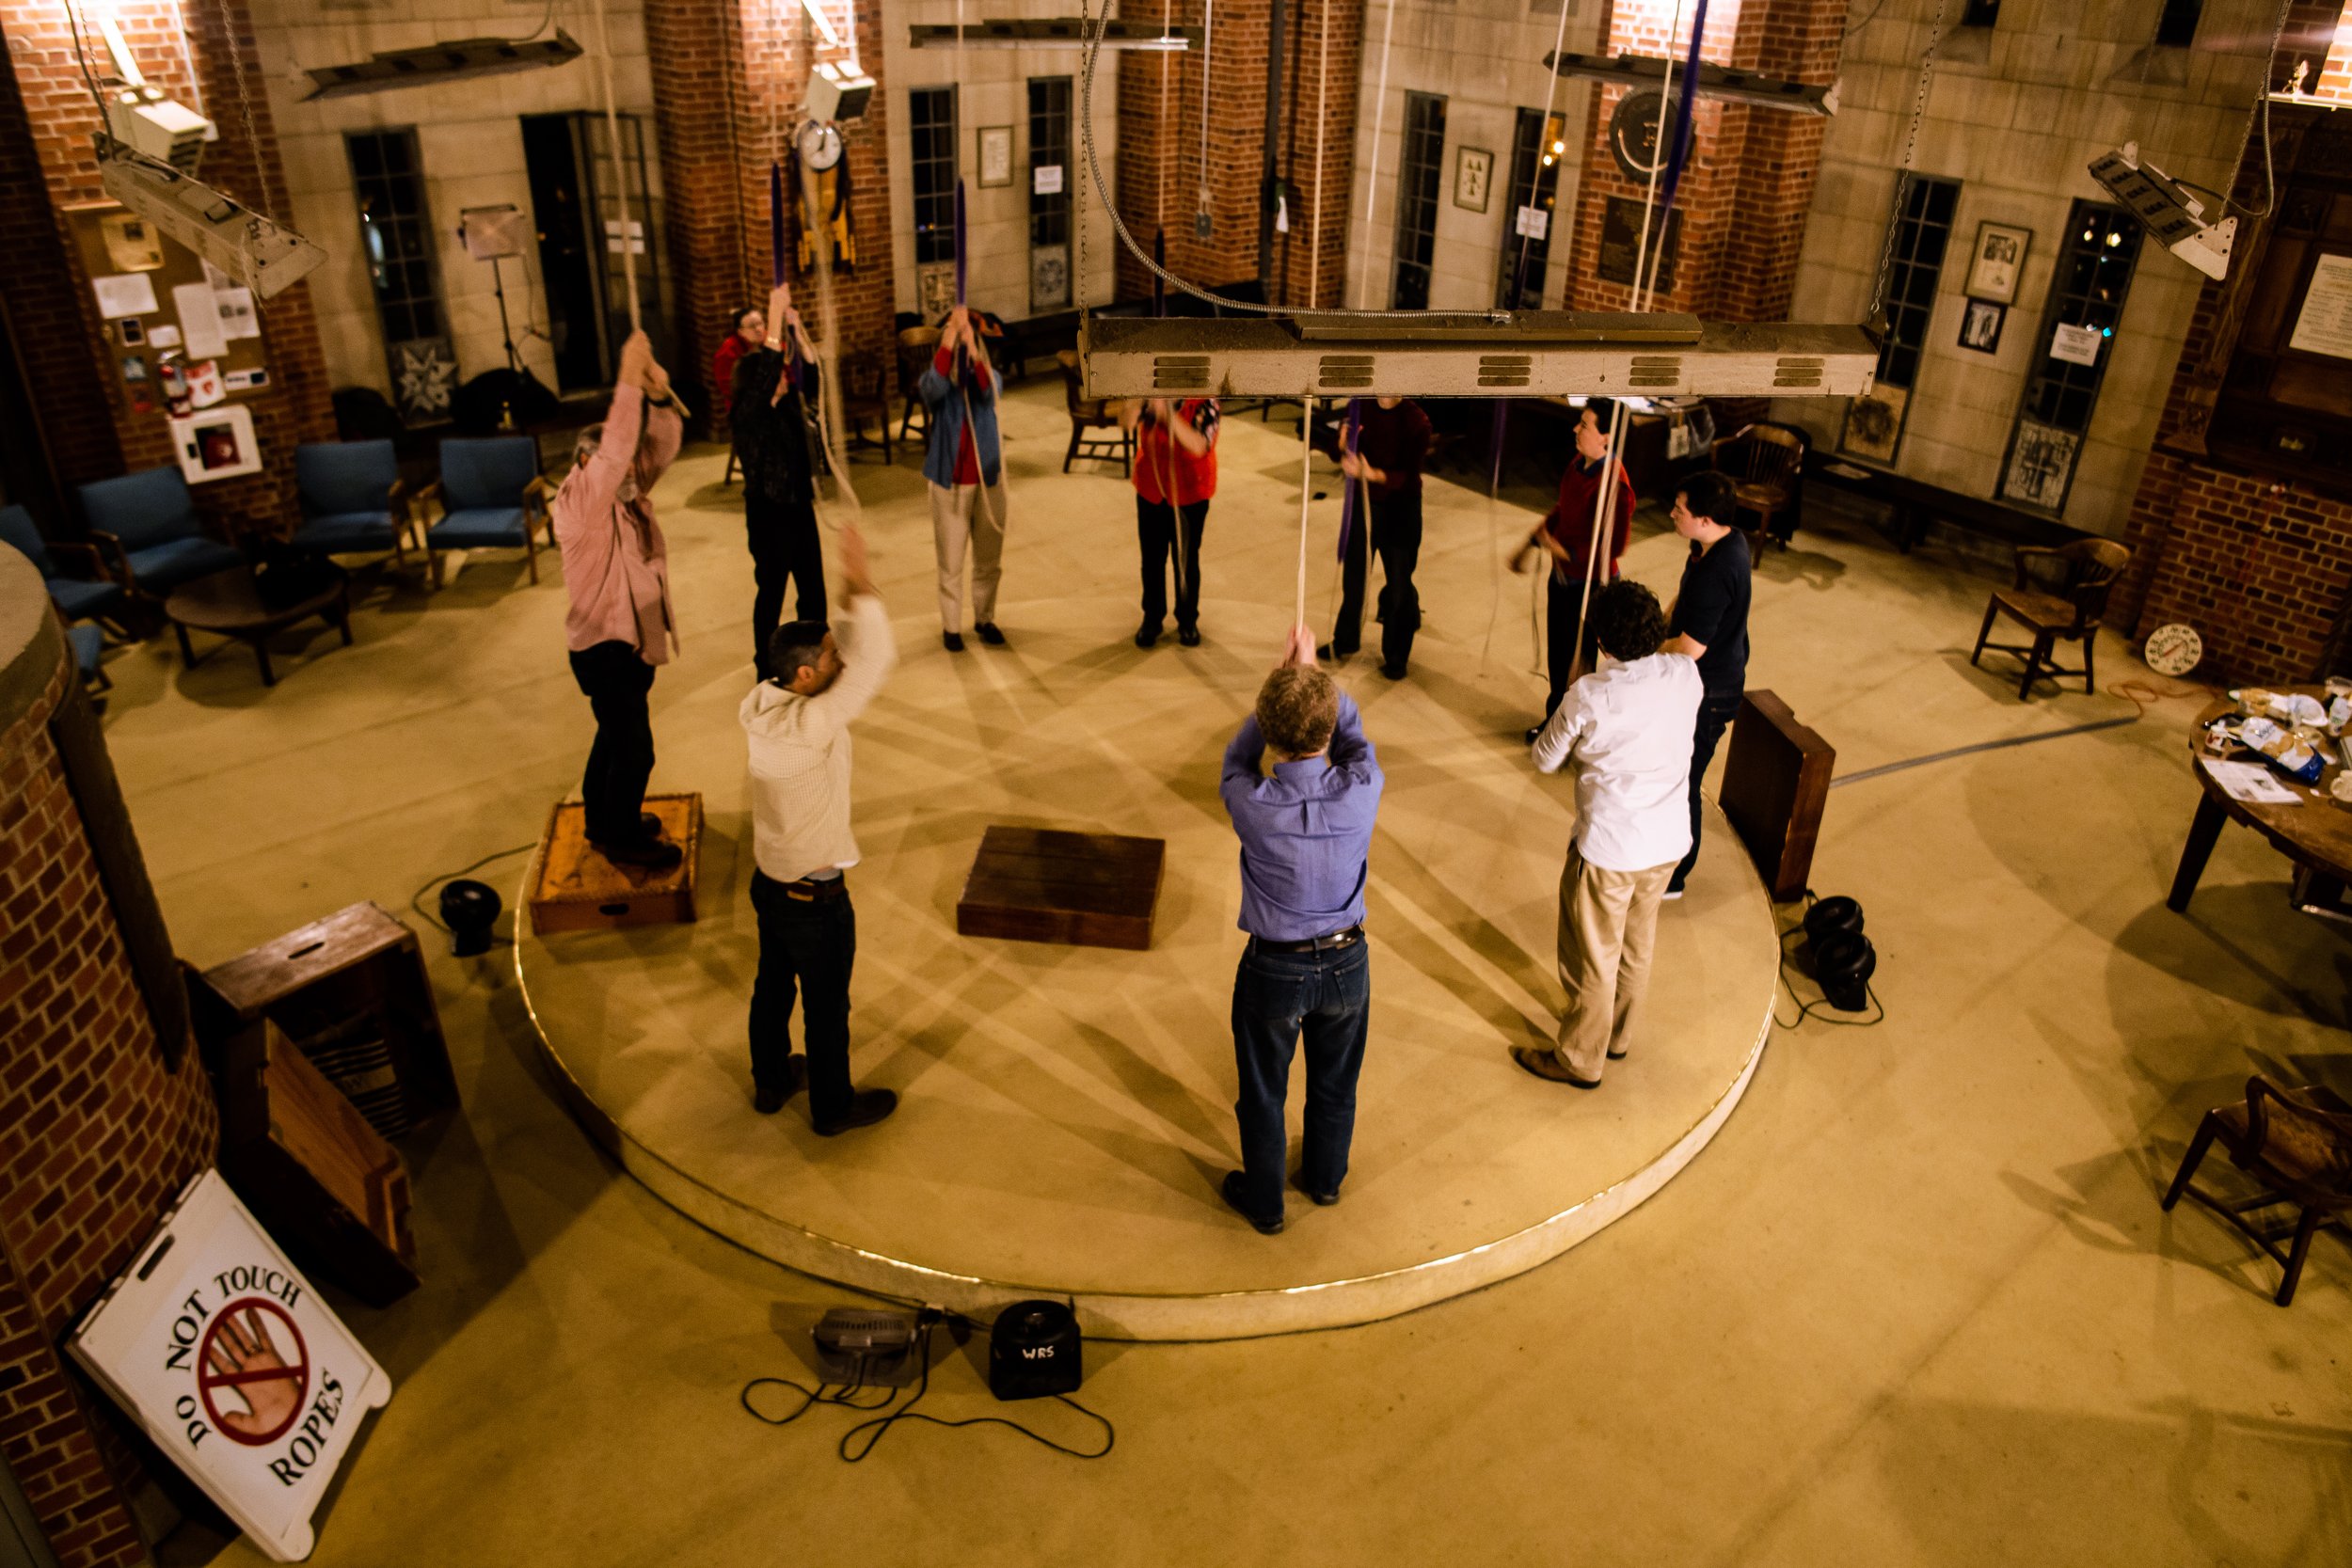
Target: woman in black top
[(1709, 622)]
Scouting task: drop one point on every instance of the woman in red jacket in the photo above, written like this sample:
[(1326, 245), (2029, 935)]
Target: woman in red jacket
[(1175, 474), (751, 332)]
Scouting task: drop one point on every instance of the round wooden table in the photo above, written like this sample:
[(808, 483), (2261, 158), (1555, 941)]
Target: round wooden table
[(233, 603), (2316, 832)]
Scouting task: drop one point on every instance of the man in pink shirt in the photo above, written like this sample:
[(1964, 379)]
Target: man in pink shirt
[(617, 570)]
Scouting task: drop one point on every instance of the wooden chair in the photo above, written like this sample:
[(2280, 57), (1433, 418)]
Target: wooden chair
[(2089, 570), (1764, 463), (916, 347), (2298, 1142), (1087, 414), (866, 398)]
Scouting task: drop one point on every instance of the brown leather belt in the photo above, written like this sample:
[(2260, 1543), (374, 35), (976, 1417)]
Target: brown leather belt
[(810, 890), (1312, 945)]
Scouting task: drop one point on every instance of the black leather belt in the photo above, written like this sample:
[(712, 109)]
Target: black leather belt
[(812, 890), (1312, 945)]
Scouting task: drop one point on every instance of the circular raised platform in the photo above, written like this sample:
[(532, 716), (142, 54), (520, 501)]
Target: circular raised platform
[(1066, 1112)]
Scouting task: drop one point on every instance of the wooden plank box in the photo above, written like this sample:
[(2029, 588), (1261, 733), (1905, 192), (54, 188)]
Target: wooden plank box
[(578, 890), (1775, 782), (1036, 885)]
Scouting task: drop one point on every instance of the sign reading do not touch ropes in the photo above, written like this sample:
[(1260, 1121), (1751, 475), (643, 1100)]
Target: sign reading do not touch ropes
[(234, 1366)]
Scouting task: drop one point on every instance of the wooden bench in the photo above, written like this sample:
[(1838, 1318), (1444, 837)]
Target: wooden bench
[(1918, 506)]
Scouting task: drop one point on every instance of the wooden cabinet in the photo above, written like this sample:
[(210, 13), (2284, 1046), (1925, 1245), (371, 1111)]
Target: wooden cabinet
[(1775, 782)]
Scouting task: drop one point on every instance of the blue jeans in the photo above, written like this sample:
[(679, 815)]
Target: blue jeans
[(1277, 996)]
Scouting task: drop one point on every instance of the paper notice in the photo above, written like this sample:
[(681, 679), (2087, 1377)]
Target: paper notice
[(1046, 178), (1533, 223), (128, 294), (238, 319), (164, 337), (2076, 345), (2250, 782), (199, 321), (2325, 324), (204, 387)]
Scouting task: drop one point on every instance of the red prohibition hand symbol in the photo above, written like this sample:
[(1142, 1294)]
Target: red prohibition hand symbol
[(240, 1354)]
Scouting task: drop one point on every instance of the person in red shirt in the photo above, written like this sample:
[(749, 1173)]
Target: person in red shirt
[(1175, 475), (751, 332), (1566, 538)]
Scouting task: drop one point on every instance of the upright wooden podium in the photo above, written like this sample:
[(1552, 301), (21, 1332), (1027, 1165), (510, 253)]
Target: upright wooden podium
[(1775, 782), (578, 890)]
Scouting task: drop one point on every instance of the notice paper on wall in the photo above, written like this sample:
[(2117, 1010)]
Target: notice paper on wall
[(2076, 345), (205, 387), (1533, 222), (200, 329), (238, 319), (1046, 180), (2325, 324), (2250, 782), (129, 293)]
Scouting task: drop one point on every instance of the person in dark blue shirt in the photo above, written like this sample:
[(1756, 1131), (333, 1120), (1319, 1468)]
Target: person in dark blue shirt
[(1709, 622), (1306, 840)]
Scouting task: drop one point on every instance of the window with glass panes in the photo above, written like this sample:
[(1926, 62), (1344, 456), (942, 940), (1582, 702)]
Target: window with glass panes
[(2101, 251), (1049, 211), (1535, 154), (1923, 231), (396, 233), (931, 131), (2176, 24), (1418, 173)]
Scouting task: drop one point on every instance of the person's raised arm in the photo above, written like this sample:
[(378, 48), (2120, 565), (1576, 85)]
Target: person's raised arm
[(1190, 436), (590, 490), (868, 650), (665, 432)]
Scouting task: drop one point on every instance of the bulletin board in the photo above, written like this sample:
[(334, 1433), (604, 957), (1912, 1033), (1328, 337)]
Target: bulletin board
[(120, 253)]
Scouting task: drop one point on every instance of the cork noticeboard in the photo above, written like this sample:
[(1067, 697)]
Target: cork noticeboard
[(105, 238)]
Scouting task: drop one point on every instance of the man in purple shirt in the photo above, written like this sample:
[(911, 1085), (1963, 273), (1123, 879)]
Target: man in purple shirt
[(1306, 832)]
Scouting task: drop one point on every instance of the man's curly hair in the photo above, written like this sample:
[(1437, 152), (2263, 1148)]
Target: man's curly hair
[(1627, 621), (1297, 708)]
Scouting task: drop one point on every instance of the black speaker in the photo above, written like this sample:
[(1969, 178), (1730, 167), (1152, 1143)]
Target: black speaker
[(469, 908), (1034, 1351), (1843, 959)]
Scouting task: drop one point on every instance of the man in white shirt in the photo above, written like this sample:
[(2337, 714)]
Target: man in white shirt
[(798, 725), (1624, 726)]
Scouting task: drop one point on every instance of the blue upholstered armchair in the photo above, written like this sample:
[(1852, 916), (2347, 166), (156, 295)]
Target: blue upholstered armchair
[(352, 501), (146, 525), (492, 497), (75, 598)]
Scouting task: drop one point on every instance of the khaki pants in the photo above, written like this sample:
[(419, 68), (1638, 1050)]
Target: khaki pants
[(1608, 927), (954, 519)]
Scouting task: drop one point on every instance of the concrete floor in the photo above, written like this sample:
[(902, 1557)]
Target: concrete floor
[(1916, 1304)]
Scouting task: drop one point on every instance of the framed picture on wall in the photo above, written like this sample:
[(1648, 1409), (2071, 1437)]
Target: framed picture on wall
[(1997, 262), (1980, 326), (1874, 423), (996, 154), (1473, 176)]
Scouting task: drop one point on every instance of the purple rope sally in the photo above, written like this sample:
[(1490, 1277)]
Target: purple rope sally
[(1350, 434), (776, 225), (1682, 148)]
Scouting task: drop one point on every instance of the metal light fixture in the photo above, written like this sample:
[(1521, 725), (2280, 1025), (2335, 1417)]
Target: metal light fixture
[(2167, 210), (1055, 32)]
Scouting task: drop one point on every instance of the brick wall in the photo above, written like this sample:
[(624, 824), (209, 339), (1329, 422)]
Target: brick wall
[(2317, 36), (96, 1136), (1160, 147), (61, 115)]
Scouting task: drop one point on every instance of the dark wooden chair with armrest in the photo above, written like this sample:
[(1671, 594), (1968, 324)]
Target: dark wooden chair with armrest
[(1764, 463), (865, 399), (1092, 414), (2298, 1144), (2088, 570)]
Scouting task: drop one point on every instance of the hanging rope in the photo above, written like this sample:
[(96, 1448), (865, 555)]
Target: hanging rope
[(828, 344), (1322, 130), (1379, 116), (1306, 498), (1208, 35), (620, 174)]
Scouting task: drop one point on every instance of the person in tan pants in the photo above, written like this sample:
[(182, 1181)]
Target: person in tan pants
[(1624, 726)]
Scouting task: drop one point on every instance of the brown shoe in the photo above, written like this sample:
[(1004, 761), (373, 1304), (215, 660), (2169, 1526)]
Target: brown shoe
[(1546, 1064)]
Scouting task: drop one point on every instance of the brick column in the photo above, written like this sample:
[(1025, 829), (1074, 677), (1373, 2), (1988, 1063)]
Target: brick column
[(1325, 44), (61, 117), (96, 1134)]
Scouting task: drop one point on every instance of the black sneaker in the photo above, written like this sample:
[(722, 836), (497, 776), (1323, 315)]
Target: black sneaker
[(1147, 635), (1230, 1192), (953, 640), (1396, 673), (989, 634), (767, 1098), (867, 1107), (1325, 654), (1188, 636), (1532, 731), (646, 854), (1322, 1200)]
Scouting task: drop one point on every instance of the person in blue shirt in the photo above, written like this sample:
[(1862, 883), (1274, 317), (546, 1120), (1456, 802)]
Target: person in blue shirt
[(1305, 826)]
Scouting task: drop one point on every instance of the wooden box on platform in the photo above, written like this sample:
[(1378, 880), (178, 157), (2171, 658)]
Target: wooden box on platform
[(1035, 884), (578, 890), (350, 992), (1775, 782), (311, 1169)]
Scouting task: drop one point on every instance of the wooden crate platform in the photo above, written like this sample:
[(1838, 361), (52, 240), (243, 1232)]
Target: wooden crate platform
[(578, 890), (1036, 885)]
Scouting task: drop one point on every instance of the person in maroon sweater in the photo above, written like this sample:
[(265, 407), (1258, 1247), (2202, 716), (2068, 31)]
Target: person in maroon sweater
[(1391, 443), (1566, 538)]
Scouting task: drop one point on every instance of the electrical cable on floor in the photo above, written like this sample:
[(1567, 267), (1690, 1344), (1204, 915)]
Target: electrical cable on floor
[(1806, 1009), (416, 899), (846, 1395)]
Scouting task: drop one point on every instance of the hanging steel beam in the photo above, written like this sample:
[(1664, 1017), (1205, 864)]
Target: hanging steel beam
[(1052, 32), (1737, 87), (1529, 354)]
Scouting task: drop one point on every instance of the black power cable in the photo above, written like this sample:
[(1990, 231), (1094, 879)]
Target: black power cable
[(846, 1395), (1808, 1011)]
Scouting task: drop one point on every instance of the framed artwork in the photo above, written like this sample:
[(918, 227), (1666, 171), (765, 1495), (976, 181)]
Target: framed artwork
[(1997, 262), (2041, 466), (1874, 423), (1473, 178), (996, 154), (1980, 326)]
